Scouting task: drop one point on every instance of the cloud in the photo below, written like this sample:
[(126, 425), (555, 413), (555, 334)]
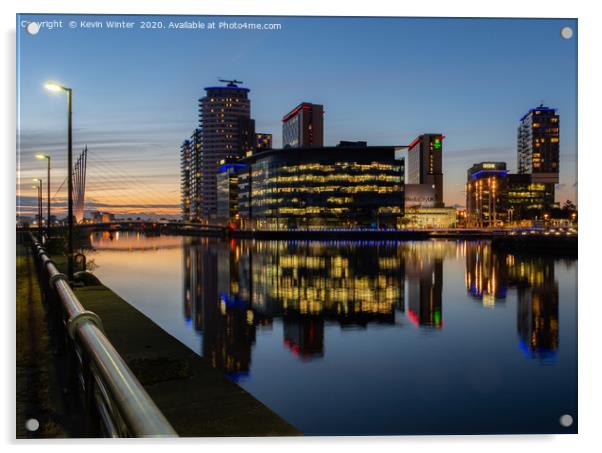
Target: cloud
[(28, 204)]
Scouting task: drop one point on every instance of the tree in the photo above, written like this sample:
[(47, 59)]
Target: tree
[(568, 209), (569, 206)]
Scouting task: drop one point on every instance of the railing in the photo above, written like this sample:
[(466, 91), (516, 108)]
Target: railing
[(115, 402)]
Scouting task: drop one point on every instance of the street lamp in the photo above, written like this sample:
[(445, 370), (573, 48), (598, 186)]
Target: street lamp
[(39, 187), (53, 86), (47, 157)]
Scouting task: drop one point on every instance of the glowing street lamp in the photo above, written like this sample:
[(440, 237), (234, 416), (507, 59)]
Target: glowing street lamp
[(47, 157), (57, 87), (39, 187), (53, 86)]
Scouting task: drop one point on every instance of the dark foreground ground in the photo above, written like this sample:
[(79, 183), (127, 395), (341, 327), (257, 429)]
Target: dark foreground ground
[(199, 401), (39, 393)]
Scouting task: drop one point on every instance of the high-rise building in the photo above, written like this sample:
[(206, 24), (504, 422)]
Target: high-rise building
[(538, 150), (425, 164), (303, 127), (190, 160), (538, 145), (226, 130), (186, 172), (486, 194)]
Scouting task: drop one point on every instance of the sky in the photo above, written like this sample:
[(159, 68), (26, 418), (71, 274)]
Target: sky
[(382, 80)]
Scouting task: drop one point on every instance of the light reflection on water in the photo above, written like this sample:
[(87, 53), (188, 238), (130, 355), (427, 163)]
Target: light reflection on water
[(366, 337)]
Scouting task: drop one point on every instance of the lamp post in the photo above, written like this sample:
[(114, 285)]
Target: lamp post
[(53, 86), (47, 157), (39, 187)]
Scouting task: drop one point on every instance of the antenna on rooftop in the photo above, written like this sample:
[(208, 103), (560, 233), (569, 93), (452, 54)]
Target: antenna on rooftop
[(231, 83)]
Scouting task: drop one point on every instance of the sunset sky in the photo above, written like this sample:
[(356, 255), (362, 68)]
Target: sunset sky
[(380, 80)]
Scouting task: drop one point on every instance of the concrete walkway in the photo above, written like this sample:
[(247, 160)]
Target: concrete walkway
[(197, 399)]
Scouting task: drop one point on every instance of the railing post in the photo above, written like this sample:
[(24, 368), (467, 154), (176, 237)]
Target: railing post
[(121, 405), (80, 257), (93, 420)]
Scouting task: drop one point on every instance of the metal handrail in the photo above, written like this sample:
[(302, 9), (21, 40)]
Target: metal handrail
[(142, 418)]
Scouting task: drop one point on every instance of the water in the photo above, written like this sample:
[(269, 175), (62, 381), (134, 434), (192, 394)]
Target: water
[(388, 337)]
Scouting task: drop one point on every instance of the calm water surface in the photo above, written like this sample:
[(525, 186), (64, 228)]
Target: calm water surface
[(367, 337)]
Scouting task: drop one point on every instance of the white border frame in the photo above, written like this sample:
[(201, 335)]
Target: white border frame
[(588, 110)]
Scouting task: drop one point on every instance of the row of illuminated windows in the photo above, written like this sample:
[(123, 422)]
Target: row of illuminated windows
[(211, 118), (229, 99), (362, 301), (318, 287), (523, 196), (536, 125), (329, 278), (226, 104), (542, 141), (325, 189), (511, 196), (298, 263), (321, 210), (325, 275), (389, 210), (337, 166), (330, 201), (318, 280), (350, 178), (265, 172), (293, 290)]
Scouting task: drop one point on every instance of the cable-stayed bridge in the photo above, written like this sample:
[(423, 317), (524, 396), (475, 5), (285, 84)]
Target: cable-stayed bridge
[(123, 201), (105, 186)]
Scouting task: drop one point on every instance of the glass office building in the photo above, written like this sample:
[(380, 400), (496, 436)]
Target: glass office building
[(345, 186), (227, 192), (529, 199), (486, 194)]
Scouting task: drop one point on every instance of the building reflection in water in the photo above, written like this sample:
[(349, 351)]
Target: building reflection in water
[(486, 273), (233, 288), (537, 312), (129, 241), (304, 335), (424, 276), (488, 276)]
